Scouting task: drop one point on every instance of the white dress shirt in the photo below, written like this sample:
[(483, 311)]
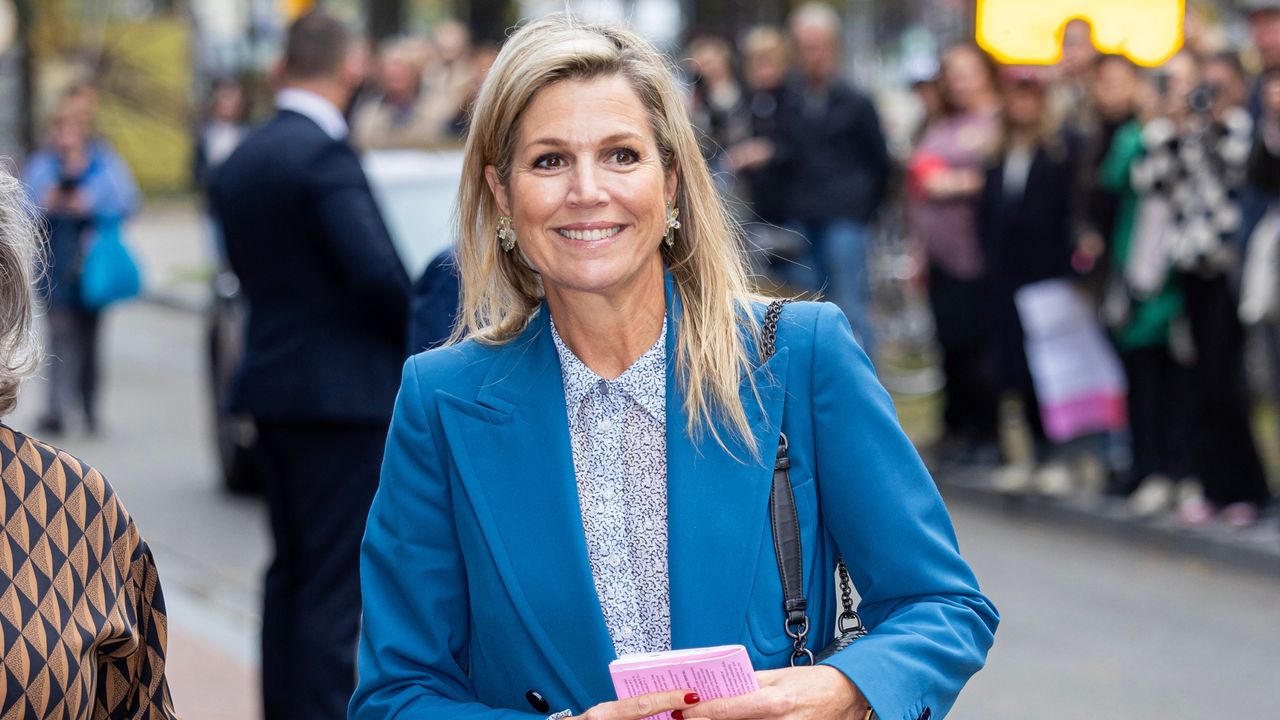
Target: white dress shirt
[(316, 108)]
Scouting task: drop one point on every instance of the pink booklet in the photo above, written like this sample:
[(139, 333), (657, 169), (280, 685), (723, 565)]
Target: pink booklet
[(714, 672)]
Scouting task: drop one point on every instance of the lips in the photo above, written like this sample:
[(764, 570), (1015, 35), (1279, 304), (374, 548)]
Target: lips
[(592, 234)]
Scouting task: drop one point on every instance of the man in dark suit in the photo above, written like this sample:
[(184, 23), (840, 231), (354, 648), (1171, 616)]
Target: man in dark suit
[(328, 299)]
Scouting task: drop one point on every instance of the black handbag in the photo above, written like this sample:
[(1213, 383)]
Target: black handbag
[(786, 542)]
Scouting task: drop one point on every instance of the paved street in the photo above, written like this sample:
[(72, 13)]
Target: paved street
[(1093, 628)]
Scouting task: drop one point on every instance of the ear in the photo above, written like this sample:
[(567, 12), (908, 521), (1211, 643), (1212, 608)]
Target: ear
[(275, 76), (498, 189), (672, 185)]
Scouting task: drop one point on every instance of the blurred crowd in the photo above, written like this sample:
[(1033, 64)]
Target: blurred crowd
[(413, 93), (1096, 241)]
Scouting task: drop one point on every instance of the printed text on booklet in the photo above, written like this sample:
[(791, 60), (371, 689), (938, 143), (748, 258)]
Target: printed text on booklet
[(714, 672)]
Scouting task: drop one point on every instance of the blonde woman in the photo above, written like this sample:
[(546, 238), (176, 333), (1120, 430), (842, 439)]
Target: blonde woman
[(585, 472)]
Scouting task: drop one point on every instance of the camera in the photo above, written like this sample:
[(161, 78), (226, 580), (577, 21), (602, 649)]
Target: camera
[(1200, 100)]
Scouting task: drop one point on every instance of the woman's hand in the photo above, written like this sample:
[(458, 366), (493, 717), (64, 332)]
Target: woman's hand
[(952, 183), (642, 706), (803, 693)]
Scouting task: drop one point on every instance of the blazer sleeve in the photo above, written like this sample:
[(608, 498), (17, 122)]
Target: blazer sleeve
[(356, 239), (930, 625), (413, 639)]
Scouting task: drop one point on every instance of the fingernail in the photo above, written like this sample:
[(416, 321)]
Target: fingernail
[(677, 715), (692, 699)]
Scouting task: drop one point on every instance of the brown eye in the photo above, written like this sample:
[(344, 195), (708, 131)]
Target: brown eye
[(625, 156), (549, 162)]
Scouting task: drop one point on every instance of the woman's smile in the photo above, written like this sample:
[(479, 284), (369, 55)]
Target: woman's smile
[(592, 233)]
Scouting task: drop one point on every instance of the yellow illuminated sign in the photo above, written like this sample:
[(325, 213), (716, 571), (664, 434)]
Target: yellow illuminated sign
[(294, 8), (1028, 32)]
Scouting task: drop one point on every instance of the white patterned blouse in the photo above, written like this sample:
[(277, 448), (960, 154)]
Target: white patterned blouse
[(617, 429)]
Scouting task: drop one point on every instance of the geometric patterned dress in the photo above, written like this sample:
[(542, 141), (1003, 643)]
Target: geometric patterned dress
[(81, 613)]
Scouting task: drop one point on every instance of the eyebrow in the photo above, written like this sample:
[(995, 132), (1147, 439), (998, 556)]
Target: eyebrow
[(616, 137)]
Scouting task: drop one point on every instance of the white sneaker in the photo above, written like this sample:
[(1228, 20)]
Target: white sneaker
[(1013, 478), (1054, 479), (1154, 495), (1189, 490)]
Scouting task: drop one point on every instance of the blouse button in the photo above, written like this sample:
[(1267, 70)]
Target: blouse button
[(606, 425), (626, 632)]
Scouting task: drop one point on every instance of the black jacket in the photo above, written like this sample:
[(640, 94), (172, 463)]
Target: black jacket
[(833, 157), (1029, 238), (1025, 239), (328, 295)]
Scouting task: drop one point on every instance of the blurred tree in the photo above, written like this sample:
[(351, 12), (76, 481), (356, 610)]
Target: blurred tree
[(385, 18), (26, 125), (141, 64), (488, 20)]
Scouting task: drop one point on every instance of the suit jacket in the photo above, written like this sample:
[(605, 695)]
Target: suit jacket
[(433, 308), (328, 295), (476, 583)]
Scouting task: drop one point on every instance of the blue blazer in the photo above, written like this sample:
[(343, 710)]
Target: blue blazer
[(474, 568)]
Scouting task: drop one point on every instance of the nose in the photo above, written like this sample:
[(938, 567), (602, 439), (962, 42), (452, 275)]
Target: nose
[(586, 190)]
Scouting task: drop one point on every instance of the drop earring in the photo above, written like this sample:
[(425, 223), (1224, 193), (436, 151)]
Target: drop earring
[(506, 236), (673, 224)]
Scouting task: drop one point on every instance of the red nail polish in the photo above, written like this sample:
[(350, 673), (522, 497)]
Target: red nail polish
[(692, 699), (677, 715)]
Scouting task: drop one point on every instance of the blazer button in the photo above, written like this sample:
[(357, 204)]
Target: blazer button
[(538, 702)]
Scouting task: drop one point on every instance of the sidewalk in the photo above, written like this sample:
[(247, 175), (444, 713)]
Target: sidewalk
[(171, 244), (211, 596), (1255, 548)]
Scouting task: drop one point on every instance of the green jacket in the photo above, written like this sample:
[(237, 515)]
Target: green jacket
[(1149, 319)]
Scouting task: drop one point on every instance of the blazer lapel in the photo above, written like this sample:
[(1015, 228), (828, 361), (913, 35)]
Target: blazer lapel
[(516, 463), (718, 509), (516, 466)]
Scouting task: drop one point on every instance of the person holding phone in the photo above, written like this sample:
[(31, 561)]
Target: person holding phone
[(585, 471), (80, 183)]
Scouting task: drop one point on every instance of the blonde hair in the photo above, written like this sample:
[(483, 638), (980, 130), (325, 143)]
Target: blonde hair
[(500, 292), (766, 40), (19, 253)]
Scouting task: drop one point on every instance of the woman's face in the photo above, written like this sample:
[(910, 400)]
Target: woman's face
[(1024, 104), (1183, 76), (228, 103), (70, 132), (965, 76), (587, 190), (1115, 87), (766, 69)]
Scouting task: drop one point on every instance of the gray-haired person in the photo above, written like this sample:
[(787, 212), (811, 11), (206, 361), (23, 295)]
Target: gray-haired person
[(75, 565)]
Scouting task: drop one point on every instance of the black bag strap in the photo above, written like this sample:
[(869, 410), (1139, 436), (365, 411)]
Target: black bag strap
[(785, 524)]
